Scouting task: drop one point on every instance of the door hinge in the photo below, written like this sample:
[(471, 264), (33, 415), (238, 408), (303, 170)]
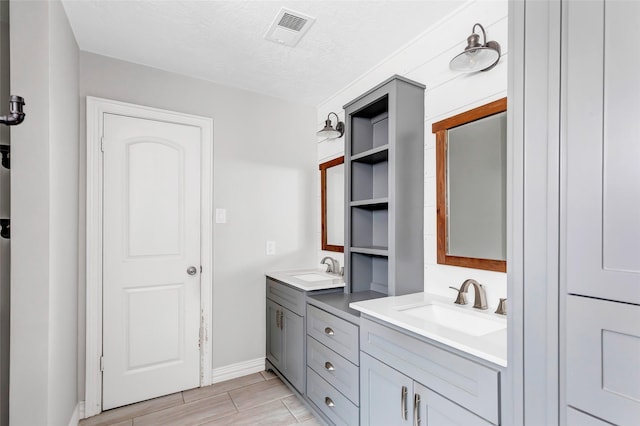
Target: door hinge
[(102, 144), (200, 337), (101, 363)]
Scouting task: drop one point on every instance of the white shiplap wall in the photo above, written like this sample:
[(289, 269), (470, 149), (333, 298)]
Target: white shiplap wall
[(426, 60)]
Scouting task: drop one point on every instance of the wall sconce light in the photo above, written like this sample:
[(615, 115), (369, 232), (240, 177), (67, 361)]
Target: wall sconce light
[(5, 151), (5, 228), (476, 56), (329, 132), (16, 113)]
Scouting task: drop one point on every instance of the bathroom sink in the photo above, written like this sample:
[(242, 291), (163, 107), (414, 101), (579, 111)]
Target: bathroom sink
[(312, 278), (472, 323)]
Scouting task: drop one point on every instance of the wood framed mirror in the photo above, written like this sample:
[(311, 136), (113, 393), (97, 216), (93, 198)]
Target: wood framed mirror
[(332, 204), (471, 187)]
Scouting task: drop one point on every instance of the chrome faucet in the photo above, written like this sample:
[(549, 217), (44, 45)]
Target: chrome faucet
[(480, 299), (333, 267)]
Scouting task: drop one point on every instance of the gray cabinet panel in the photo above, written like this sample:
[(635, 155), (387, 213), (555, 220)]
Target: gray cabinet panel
[(293, 348), (578, 418), (285, 332), (470, 384), (434, 410), (336, 370), (603, 359), (602, 174), (274, 334), (386, 395), (330, 402), (335, 333), (286, 296)]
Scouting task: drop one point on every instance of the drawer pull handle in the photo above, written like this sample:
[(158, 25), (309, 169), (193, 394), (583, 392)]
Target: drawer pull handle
[(416, 410), (328, 331), (329, 402), (403, 403), (329, 366)]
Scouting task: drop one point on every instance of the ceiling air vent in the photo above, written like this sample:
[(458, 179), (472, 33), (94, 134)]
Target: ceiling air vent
[(288, 27)]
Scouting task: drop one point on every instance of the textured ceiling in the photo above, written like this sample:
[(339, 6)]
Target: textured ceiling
[(222, 41)]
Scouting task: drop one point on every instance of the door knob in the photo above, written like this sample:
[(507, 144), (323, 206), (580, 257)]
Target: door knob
[(192, 270)]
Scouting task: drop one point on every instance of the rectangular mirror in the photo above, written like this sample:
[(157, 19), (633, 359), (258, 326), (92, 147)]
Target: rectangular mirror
[(471, 187), (332, 204)]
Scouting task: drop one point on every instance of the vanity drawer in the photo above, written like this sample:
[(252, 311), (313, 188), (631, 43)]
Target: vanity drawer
[(329, 401), (337, 371), (335, 333), (469, 384), (286, 296)]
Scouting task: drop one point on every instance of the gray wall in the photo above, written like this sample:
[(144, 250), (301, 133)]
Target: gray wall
[(5, 256), (44, 210), (264, 175)]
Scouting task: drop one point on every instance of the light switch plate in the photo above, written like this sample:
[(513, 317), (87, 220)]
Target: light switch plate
[(271, 248), (221, 215)]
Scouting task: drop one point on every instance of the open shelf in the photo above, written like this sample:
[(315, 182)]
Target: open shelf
[(369, 181), (370, 127), (372, 204), (369, 272), (374, 250), (384, 156), (372, 156), (369, 228)]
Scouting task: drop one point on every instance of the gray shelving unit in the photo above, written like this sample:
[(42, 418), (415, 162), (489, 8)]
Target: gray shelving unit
[(384, 159)]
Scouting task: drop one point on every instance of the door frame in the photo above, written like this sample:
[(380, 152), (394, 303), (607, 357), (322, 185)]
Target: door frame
[(96, 109)]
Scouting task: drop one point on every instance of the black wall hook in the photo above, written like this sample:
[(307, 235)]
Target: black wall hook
[(16, 115), (5, 232), (5, 150)]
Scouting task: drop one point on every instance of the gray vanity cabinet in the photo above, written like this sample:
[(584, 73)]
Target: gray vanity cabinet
[(400, 371), (388, 397), (285, 332)]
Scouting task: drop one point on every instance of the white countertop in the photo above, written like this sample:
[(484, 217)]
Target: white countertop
[(491, 346), (296, 278)]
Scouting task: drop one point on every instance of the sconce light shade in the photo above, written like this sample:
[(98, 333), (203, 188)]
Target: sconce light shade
[(476, 56), (329, 132)]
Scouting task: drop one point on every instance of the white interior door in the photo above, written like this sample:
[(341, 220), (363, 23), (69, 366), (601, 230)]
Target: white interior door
[(151, 237)]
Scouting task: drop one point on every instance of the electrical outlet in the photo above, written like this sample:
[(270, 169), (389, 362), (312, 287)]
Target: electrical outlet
[(271, 248), (221, 216)]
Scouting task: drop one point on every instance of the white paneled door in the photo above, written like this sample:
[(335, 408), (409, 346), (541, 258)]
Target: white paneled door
[(151, 259)]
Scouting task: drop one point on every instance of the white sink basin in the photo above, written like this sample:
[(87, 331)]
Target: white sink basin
[(312, 278), (472, 323)]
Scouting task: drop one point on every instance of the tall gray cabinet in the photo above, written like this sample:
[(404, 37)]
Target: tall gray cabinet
[(384, 159), (600, 205)]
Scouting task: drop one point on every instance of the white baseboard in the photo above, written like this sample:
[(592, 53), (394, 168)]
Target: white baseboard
[(78, 413), (239, 369)]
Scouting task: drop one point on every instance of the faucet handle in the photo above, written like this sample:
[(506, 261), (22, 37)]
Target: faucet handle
[(502, 307), (460, 299)]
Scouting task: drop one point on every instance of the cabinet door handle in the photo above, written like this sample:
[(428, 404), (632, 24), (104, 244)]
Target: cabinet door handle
[(328, 331), (281, 320), (416, 410), (278, 318), (329, 402), (329, 366), (403, 403)]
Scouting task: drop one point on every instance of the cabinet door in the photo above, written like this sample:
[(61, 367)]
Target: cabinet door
[(602, 194), (292, 346), (386, 395), (274, 334), (431, 409)]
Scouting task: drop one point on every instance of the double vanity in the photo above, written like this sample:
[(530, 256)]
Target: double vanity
[(376, 350), (366, 358)]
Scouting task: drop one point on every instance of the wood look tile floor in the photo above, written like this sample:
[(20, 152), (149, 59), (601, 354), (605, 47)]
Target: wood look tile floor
[(256, 399)]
